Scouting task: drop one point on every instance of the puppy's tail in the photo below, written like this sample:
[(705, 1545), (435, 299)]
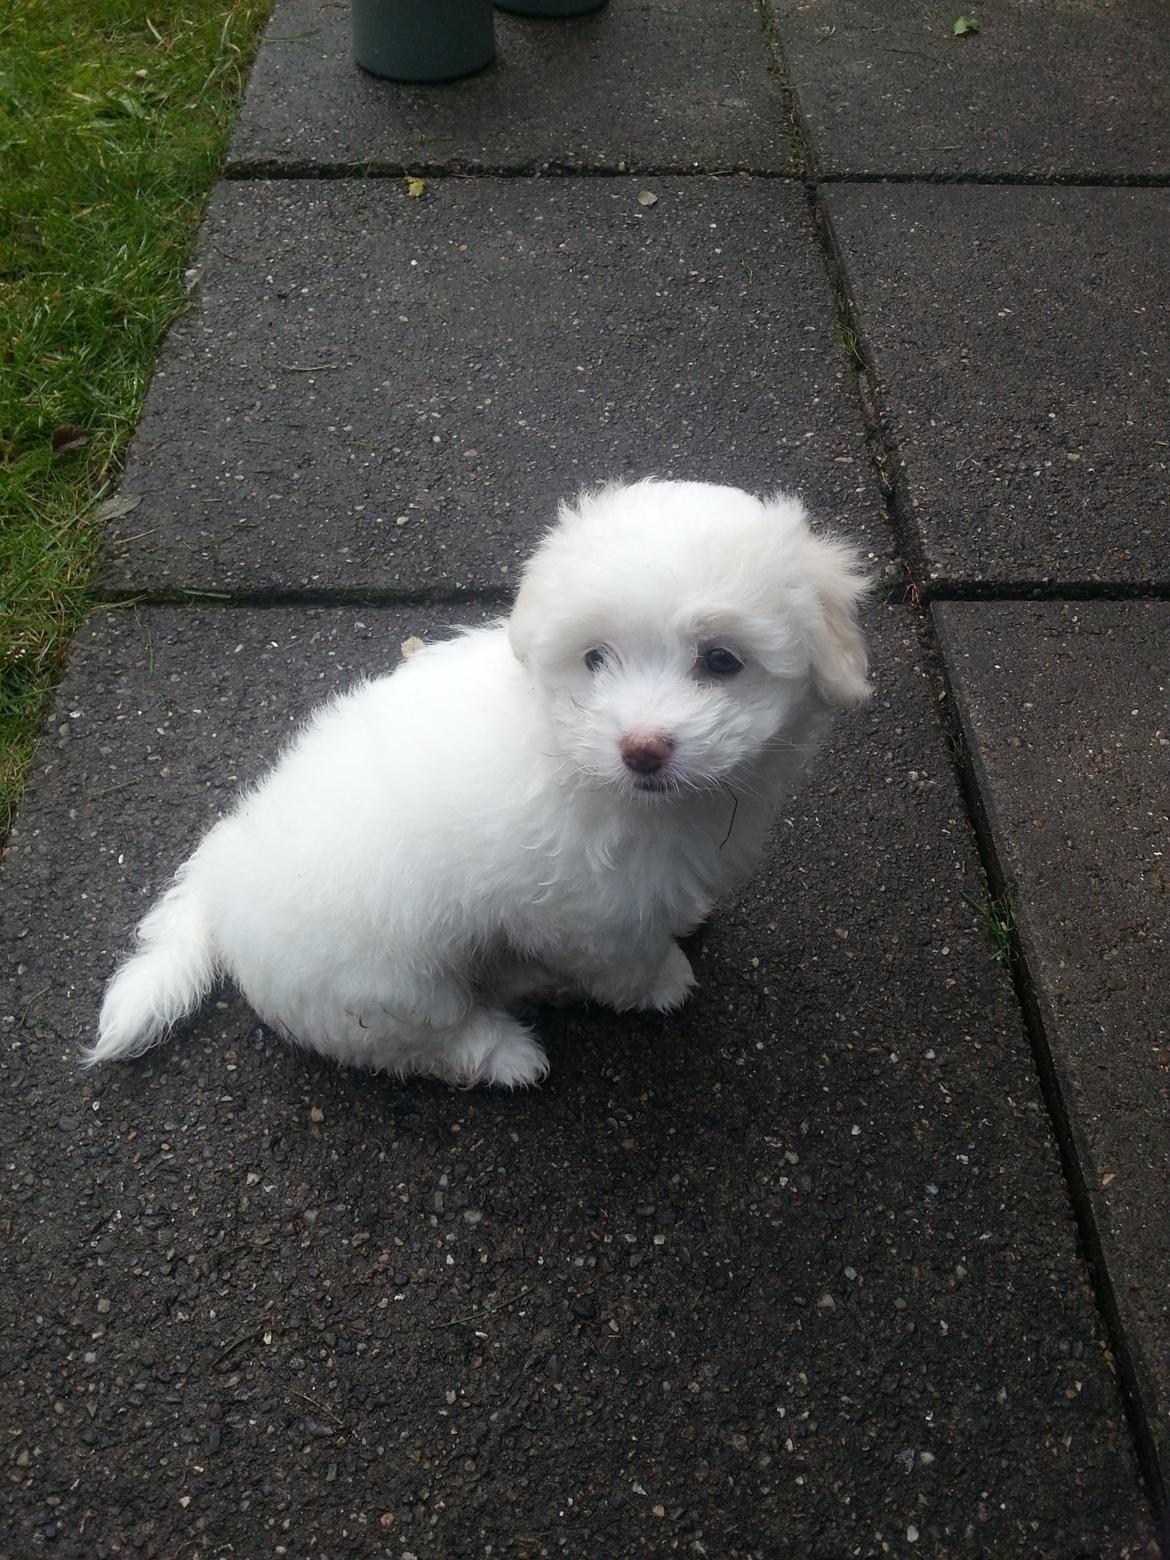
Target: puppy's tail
[(167, 976)]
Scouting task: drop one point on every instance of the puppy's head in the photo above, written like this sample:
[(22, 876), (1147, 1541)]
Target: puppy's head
[(678, 630)]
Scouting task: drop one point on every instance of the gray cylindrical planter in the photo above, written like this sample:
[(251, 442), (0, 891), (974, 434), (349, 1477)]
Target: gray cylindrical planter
[(550, 7), (423, 40)]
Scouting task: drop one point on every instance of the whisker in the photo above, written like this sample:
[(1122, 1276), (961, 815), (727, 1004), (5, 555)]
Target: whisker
[(734, 810)]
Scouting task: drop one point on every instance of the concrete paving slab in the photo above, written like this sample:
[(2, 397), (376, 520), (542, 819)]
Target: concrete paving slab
[(1020, 338), (644, 84), (792, 1273), (380, 393), (1064, 708), (1074, 91)]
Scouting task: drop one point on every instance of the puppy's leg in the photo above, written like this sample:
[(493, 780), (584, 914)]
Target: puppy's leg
[(655, 978), (488, 1047), (431, 1002), (526, 983), (672, 983)]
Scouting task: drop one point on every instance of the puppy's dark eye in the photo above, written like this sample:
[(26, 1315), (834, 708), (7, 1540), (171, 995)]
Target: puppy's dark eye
[(596, 658), (718, 662)]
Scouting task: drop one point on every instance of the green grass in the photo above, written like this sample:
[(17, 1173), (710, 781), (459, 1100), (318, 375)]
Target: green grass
[(998, 923), (114, 117), (847, 336)]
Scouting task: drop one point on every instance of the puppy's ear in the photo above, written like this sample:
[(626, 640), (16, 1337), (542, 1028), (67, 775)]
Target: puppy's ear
[(529, 623), (561, 556), (835, 576), (521, 628), (839, 660)]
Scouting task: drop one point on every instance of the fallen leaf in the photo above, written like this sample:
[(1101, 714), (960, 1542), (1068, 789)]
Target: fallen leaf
[(412, 646), (316, 1113), (647, 198), (68, 437), (114, 508), (965, 25), (416, 188)]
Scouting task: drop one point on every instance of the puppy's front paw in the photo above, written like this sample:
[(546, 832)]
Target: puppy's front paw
[(515, 1063), (493, 1048), (672, 985)]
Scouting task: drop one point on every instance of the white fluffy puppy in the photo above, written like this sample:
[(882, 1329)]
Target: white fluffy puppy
[(547, 802)]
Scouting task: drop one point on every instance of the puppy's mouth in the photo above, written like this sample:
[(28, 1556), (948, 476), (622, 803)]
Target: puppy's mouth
[(654, 785)]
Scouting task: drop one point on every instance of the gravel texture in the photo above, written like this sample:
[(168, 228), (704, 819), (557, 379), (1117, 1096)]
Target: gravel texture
[(385, 394), (1020, 338), (1073, 90), (643, 84)]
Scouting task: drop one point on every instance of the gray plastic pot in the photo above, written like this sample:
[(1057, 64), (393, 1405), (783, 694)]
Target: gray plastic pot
[(423, 40), (549, 7)]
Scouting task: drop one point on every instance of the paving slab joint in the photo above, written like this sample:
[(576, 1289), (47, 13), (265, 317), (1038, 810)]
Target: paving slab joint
[(1017, 180), (336, 596), (1044, 590), (883, 457), (778, 71), (460, 168), (1064, 1128)]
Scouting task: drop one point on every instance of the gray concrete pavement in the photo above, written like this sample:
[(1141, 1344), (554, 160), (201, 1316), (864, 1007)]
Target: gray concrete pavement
[(1020, 339), (744, 1260), (646, 86), (1072, 92), (380, 393), (809, 1269), (1064, 707)]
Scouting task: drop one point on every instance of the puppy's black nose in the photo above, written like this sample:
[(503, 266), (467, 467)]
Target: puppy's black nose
[(646, 755)]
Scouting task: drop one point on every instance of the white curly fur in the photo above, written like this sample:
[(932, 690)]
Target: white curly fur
[(448, 842)]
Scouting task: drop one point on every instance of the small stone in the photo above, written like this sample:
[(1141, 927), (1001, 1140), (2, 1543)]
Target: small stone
[(67, 1123), (103, 1307), (214, 1440), (911, 1534), (585, 1306), (316, 1113), (472, 1216)]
